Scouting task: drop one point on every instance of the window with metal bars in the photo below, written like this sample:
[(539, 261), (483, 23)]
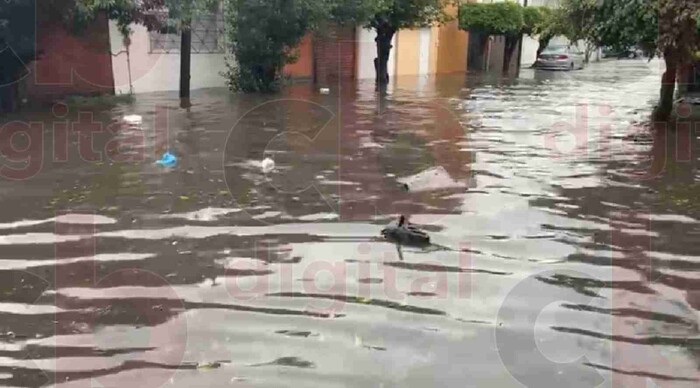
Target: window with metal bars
[(207, 36)]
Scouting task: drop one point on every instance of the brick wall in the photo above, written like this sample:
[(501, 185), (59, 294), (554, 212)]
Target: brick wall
[(303, 68), (71, 63), (334, 54)]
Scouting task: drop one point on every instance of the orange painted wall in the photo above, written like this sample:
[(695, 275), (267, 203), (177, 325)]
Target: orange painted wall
[(407, 52), (452, 46), (304, 66)]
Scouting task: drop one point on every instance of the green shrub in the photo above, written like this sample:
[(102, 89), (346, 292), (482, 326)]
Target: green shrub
[(264, 35), (492, 19), (534, 19)]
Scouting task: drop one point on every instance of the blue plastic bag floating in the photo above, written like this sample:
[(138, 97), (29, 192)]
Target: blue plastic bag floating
[(167, 160)]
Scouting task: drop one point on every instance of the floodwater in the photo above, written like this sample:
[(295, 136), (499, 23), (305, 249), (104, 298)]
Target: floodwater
[(565, 238)]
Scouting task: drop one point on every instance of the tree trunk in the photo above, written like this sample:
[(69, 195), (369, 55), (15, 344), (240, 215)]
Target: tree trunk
[(486, 39), (668, 85), (185, 60), (588, 52), (544, 42), (385, 33), (511, 44), (520, 52)]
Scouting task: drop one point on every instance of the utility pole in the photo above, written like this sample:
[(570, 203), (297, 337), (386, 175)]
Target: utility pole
[(185, 59)]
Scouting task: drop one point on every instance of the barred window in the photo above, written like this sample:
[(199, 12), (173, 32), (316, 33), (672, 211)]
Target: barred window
[(207, 36)]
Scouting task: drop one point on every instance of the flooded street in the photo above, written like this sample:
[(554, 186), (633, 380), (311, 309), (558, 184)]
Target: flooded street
[(564, 238)]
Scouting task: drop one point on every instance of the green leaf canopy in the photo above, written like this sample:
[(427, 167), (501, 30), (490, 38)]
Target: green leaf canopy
[(492, 19)]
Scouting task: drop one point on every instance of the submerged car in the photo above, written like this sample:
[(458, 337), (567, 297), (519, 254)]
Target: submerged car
[(559, 58)]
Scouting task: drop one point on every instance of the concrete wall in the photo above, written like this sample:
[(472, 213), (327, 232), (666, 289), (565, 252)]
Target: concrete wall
[(407, 52), (436, 50), (151, 72), (425, 40), (529, 51), (452, 44), (452, 49)]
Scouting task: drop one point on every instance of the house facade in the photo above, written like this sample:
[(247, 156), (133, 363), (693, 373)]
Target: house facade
[(152, 61), (149, 61), (417, 52)]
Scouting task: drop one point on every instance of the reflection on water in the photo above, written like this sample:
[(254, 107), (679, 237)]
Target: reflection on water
[(565, 238)]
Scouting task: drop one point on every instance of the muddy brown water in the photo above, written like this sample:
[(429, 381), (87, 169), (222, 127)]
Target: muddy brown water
[(565, 238)]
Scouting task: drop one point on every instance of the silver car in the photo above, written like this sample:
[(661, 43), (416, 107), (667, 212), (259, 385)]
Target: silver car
[(560, 58)]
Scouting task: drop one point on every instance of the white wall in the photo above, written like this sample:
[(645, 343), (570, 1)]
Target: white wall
[(367, 51), (424, 51), (529, 53), (151, 72)]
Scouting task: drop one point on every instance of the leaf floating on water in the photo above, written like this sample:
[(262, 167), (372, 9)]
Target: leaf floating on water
[(296, 333)]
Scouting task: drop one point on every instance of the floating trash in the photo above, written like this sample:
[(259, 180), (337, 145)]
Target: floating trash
[(689, 100), (325, 91), (133, 119), (267, 165), (167, 160), (431, 179)]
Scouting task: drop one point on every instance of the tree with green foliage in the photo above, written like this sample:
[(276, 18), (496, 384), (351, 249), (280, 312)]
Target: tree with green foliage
[(506, 18), (387, 17), (123, 12), (665, 27), (553, 24), (263, 35), (581, 18), (17, 47), (533, 19)]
